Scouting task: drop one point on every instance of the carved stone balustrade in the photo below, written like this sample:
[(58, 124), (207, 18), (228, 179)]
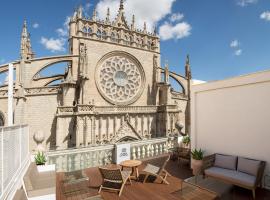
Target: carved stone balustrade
[(81, 158)]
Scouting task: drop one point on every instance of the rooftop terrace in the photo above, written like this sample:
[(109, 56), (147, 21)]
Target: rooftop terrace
[(152, 189)]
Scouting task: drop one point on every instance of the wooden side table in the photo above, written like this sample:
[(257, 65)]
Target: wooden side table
[(133, 164)]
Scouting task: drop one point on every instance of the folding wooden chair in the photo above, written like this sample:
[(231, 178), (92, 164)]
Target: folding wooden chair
[(158, 172), (113, 178)]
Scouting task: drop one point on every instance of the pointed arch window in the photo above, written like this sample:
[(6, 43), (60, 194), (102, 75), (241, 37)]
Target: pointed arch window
[(113, 37), (126, 40), (104, 35), (139, 42), (99, 34), (87, 31), (149, 45)]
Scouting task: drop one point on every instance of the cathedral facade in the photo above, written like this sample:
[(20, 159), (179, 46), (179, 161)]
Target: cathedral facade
[(114, 89)]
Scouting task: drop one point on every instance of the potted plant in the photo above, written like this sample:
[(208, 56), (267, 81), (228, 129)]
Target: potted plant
[(186, 141), (40, 160), (196, 161)]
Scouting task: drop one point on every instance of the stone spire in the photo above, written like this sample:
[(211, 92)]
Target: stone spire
[(26, 49), (121, 5), (133, 23), (187, 68), (94, 16), (144, 27), (80, 12), (120, 20), (108, 16), (155, 30)]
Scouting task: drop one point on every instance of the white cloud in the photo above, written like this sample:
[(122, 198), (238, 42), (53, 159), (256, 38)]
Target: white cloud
[(62, 32), (175, 17), (197, 82), (168, 31), (238, 52), (235, 44), (54, 45), (244, 3), (57, 44), (265, 15), (35, 25), (150, 11)]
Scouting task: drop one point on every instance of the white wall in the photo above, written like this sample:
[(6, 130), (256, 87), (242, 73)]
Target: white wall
[(232, 116)]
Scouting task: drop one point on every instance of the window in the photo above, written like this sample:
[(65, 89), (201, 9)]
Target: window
[(148, 44), (139, 42), (87, 31), (126, 40), (113, 39), (104, 35), (99, 34)]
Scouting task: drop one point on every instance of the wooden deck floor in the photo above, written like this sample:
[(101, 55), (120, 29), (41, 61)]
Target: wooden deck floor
[(150, 190)]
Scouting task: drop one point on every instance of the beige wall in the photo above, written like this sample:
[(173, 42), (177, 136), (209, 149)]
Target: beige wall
[(232, 116), (39, 113)]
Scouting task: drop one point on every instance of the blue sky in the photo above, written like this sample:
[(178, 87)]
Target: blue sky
[(224, 38)]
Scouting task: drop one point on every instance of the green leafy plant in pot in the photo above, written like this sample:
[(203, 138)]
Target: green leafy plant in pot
[(196, 161), (186, 141), (40, 158)]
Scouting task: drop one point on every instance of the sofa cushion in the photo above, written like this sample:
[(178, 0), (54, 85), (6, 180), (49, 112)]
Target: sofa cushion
[(248, 166), (232, 176), (225, 161)]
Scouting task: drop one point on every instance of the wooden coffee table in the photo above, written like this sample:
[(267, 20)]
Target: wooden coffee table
[(133, 164)]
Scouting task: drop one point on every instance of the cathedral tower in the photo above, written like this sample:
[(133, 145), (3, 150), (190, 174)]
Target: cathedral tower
[(26, 49)]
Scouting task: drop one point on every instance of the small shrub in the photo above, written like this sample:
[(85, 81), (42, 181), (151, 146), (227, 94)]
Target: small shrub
[(186, 140), (40, 158), (197, 154)]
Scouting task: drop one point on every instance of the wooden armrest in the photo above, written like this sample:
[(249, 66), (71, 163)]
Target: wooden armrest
[(208, 161), (260, 173)]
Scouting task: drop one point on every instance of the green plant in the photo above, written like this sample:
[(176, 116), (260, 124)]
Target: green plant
[(186, 140), (197, 154), (40, 158)]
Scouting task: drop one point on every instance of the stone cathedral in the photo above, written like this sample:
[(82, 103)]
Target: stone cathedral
[(113, 90)]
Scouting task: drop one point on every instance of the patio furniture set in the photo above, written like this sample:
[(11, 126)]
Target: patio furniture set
[(115, 179)]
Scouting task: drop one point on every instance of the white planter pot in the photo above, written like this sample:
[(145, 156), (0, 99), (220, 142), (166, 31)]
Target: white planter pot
[(196, 165), (45, 168)]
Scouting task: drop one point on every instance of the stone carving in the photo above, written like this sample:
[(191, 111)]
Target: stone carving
[(41, 90), (83, 60), (120, 80), (39, 138), (126, 131)]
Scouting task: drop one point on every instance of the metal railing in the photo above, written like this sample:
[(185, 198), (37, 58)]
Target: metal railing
[(14, 157)]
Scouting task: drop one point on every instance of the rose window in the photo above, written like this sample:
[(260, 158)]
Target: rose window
[(120, 79)]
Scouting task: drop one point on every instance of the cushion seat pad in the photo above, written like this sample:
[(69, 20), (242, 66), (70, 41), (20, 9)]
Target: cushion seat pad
[(232, 176)]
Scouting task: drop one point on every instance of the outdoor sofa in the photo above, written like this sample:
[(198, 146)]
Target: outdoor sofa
[(239, 171)]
